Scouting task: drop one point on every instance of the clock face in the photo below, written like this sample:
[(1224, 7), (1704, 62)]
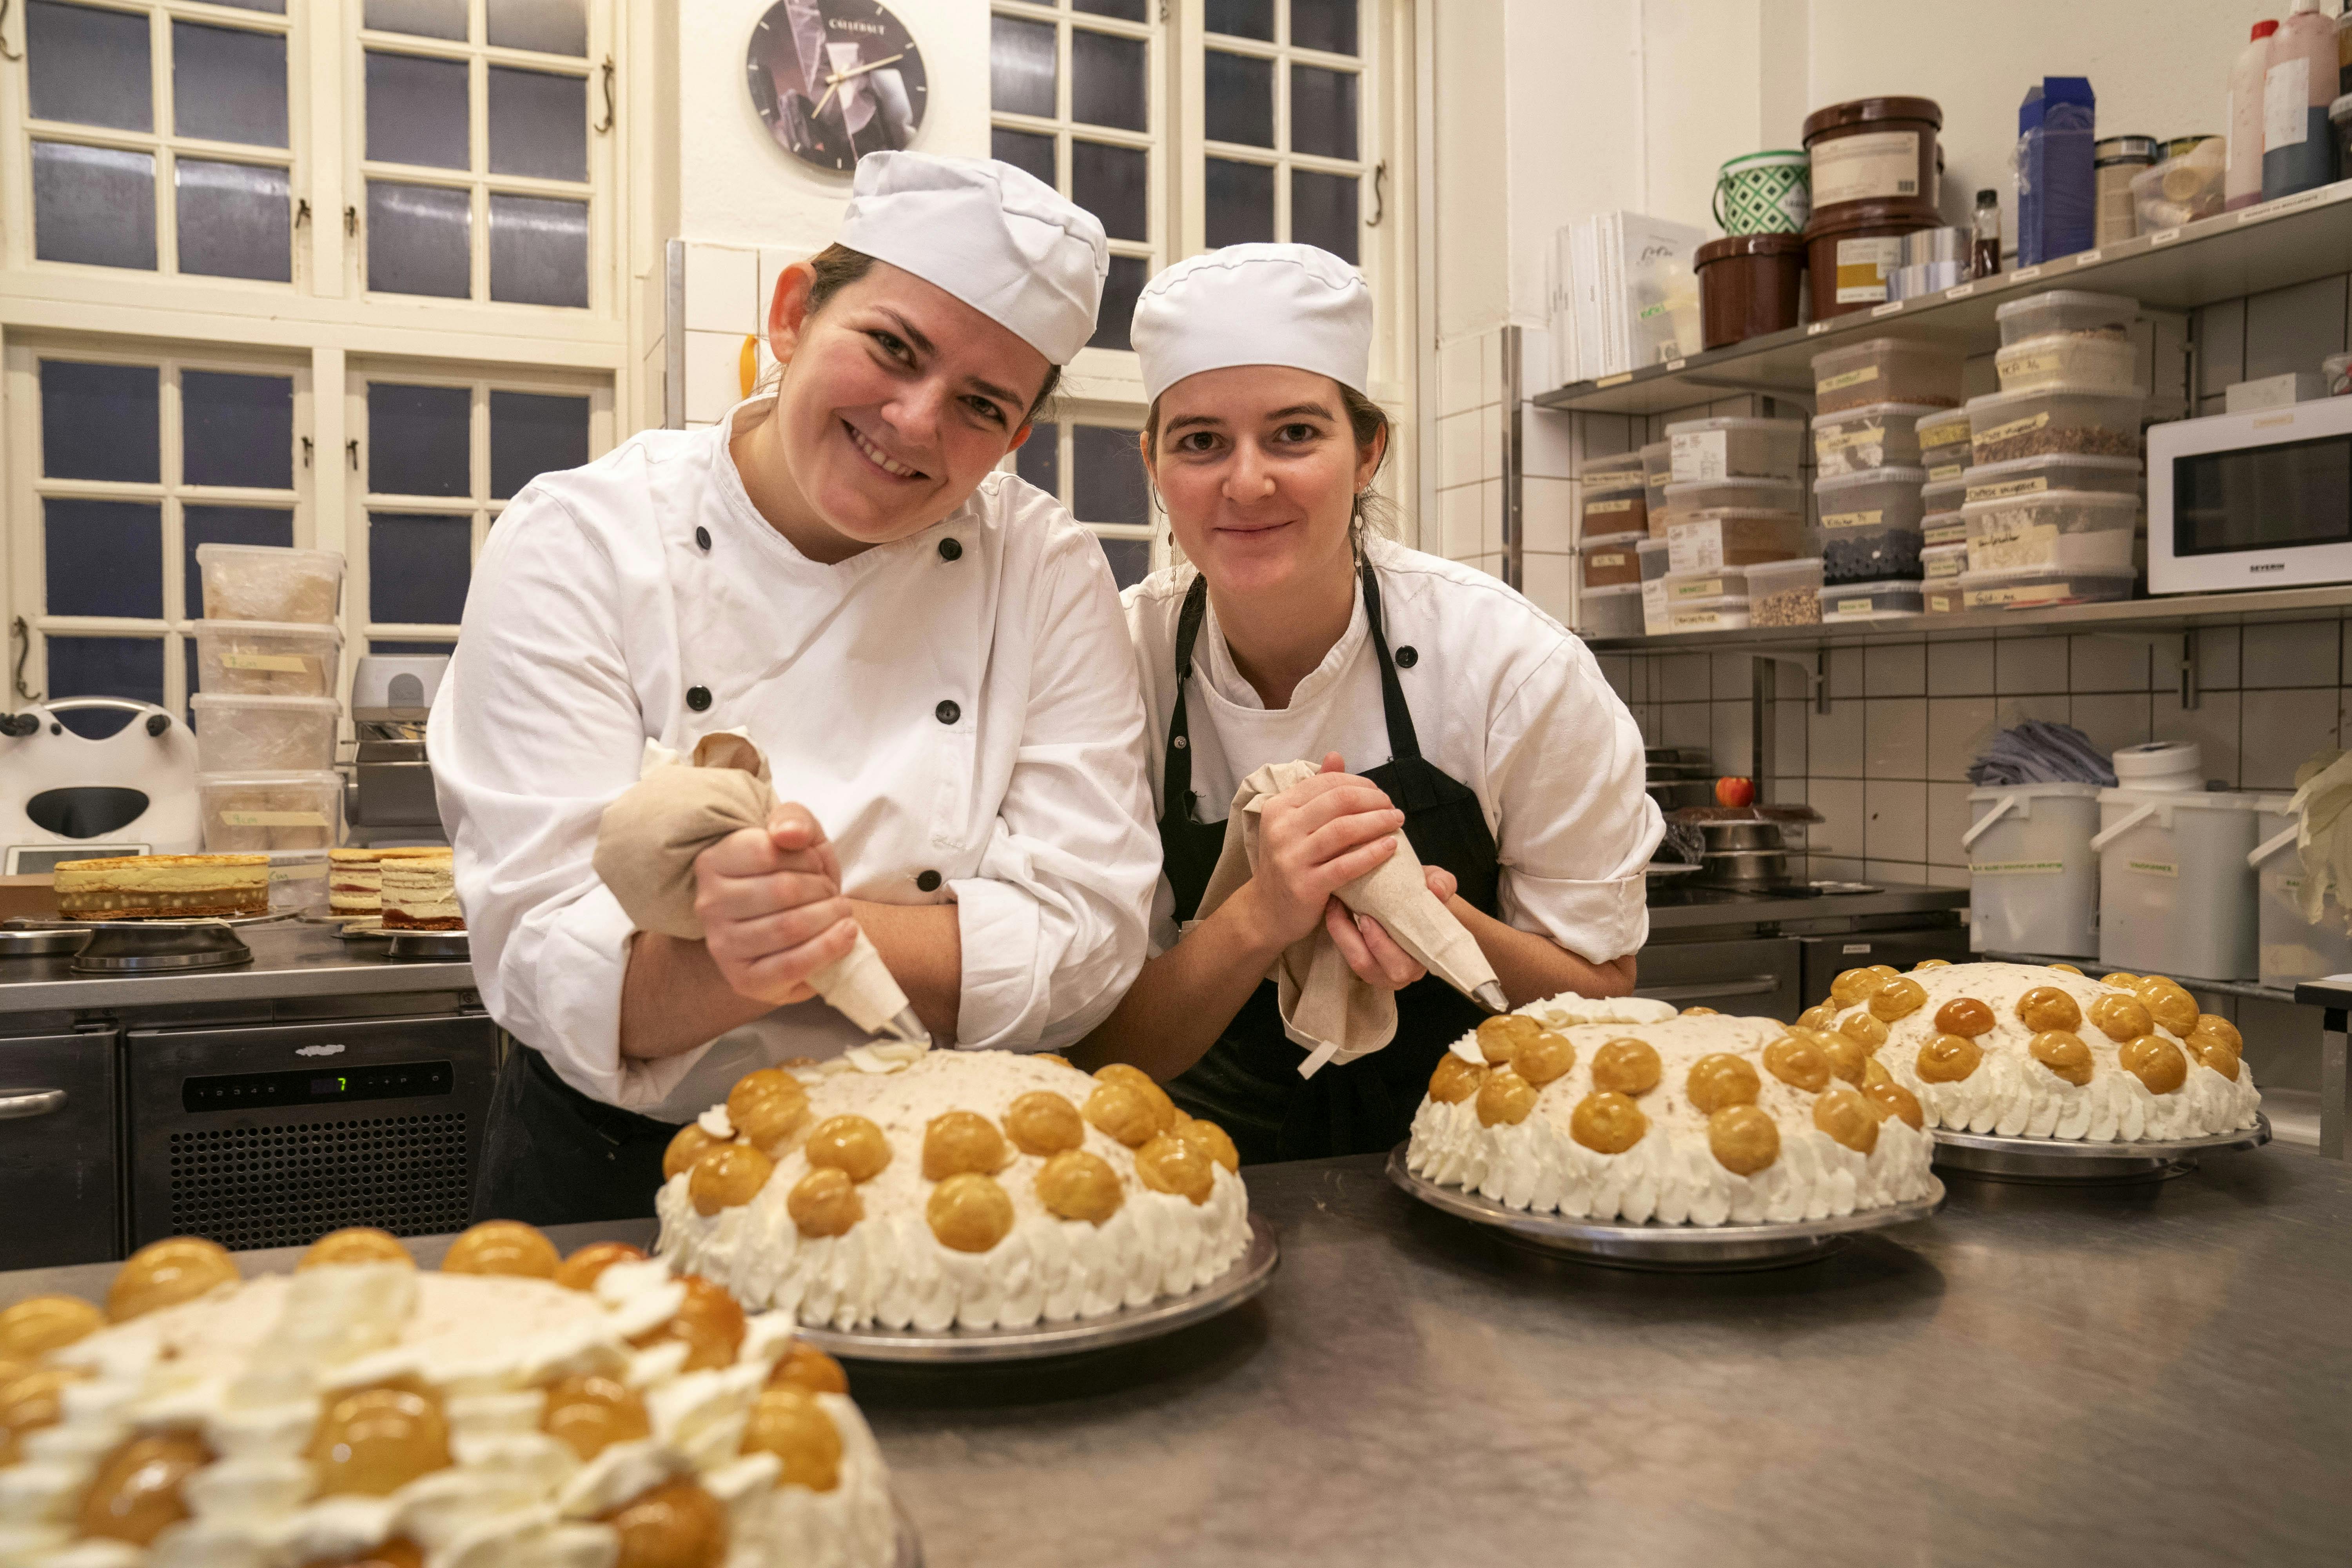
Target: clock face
[(835, 79)]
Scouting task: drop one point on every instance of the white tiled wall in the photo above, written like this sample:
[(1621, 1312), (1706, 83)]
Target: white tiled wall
[(725, 298), (1468, 439)]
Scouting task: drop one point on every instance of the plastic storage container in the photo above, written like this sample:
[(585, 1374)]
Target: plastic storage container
[(1940, 503), (1612, 566), (1657, 558), (1733, 537), (2007, 425), (1616, 500), (2074, 311), (1785, 593), (244, 814), (1871, 599), (2069, 359), (1655, 616), (1939, 563), (1944, 445), (1736, 449), (2176, 890), (298, 881), (268, 658), (1685, 501), (262, 582), (2159, 764), (2059, 471), (1610, 612), (1657, 473), (1871, 524), (1875, 435), (1715, 582), (2054, 529), (1943, 599), (2033, 878), (1886, 370), (1723, 614), (2288, 947), (2038, 587), (264, 734)]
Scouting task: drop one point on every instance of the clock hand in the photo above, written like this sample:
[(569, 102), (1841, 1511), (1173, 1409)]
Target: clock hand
[(838, 77)]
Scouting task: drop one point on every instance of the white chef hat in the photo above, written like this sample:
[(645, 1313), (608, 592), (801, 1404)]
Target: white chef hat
[(995, 238), (1255, 304)]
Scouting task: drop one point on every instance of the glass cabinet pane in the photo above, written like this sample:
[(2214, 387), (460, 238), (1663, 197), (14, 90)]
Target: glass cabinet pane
[(1024, 149), (228, 84), (103, 557), (236, 220), (1237, 93), (534, 433), (550, 27), (538, 251), (105, 667), (1130, 560), (539, 124), (1112, 184), (1240, 199), (1241, 18), (1039, 458), (1125, 10), (1326, 24), (420, 439), (100, 421), (1021, 66), (421, 18), (417, 239), (1323, 212), (1108, 475), (236, 429), (275, 7), (1322, 111), (93, 204), (1106, 80), (227, 525), (89, 66), (416, 111), (419, 564), (1120, 291)]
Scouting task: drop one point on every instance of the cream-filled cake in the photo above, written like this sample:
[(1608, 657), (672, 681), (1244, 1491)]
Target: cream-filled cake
[(928, 1189), (355, 876), (162, 887), (2042, 1051), (419, 891), (1622, 1110), (510, 1411)]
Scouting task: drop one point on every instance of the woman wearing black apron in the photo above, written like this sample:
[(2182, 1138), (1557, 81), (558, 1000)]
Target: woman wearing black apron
[(1477, 724)]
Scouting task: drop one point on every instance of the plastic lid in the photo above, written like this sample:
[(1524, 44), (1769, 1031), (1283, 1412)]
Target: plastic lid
[(2190, 796), (2056, 389), (1731, 422), (1952, 490), (204, 700), (1994, 576), (267, 628), (1872, 477), (1657, 449), (1620, 464), (2123, 304), (1651, 546), (1718, 602), (2037, 791), (2157, 759), (1760, 485), (1614, 591), (2081, 461), (1864, 110), (2120, 502), (1801, 566), (214, 551), (1617, 541), (209, 781), (1870, 346), (1684, 519), (1877, 411)]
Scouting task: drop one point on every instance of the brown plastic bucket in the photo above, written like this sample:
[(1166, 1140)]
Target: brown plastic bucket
[(1850, 260), (1749, 285), (1877, 153)]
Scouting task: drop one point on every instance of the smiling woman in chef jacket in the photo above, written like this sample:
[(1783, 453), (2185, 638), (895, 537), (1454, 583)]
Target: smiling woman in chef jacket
[(1468, 717), (928, 650)]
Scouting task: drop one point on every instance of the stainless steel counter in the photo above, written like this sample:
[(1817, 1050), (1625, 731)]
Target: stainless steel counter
[(1777, 909), (290, 959), (2153, 1375)]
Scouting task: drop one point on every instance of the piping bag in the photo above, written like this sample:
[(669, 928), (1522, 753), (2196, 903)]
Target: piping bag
[(1324, 1007), (649, 836)]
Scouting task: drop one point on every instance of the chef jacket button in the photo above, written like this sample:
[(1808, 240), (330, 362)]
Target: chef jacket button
[(702, 537), (948, 713), (697, 697), (1180, 743), (928, 881), (951, 549), (1407, 656)]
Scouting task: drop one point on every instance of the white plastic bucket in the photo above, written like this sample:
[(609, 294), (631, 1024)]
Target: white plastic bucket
[(2176, 893), (2033, 882), (2290, 947)]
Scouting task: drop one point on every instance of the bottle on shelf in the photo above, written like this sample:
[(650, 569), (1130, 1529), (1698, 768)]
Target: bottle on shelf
[(1984, 260), (2298, 143), (2241, 184)]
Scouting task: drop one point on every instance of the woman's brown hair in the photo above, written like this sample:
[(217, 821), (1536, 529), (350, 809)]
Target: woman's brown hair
[(837, 267), (1367, 421)]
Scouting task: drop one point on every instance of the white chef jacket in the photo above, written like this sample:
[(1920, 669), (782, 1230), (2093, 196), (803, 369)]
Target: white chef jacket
[(1504, 698), (974, 717)]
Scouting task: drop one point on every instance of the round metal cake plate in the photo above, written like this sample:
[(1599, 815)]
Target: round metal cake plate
[(2071, 1162), (1662, 1248), (1129, 1324), (42, 943), (429, 944), (910, 1544), (158, 947), (149, 923)]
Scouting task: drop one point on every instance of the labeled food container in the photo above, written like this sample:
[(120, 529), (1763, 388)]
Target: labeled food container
[(2073, 311), (268, 658), (2176, 891), (2007, 425), (1941, 530), (264, 734), (1871, 554), (1749, 285), (1870, 600), (1621, 514), (1728, 613), (1886, 370), (1944, 445), (1878, 151), (1657, 473), (2052, 528), (245, 813), (2033, 878), (1612, 566), (1715, 583), (2063, 359), (1875, 435), (1657, 558), (1943, 599), (2289, 948), (1785, 593), (2058, 471), (1939, 563), (262, 582), (1941, 501), (2038, 587), (1733, 447), (1852, 263), (298, 881), (1731, 537), (1610, 612), (1683, 501), (1871, 497), (1655, 616)]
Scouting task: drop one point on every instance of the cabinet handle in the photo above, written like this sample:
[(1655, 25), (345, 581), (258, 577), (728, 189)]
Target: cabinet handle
[(1754, 986), (16, 1103)]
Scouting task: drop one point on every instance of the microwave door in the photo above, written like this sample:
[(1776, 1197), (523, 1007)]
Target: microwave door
[(2256, 500)]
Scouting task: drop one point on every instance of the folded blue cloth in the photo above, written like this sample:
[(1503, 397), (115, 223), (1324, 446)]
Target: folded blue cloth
[(2038, 752)]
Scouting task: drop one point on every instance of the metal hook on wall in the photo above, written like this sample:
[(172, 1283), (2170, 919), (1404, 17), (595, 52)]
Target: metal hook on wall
[(22, 635), (1380, 194), (607, 123), (6, 52)]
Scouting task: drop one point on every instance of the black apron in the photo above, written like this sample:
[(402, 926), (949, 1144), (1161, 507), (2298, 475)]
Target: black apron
[(1248, 1081), (552, 1155)]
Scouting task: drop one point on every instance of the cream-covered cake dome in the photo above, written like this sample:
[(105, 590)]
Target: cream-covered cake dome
[(931, 1189), (2042, 1051), (1622, 1110), (513, 1410)]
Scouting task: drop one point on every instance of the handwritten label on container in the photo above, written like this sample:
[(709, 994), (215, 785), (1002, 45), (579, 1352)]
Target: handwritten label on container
[(286, 663), (2004, 489), (2153, 868), (1606, 507), (1870, 519), (1939, 472), (273, 818), (2014, 427), (2021, 596), (1846, 378), (1699, 588), (2015, 867)]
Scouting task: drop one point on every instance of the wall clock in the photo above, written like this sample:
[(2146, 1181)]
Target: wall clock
[(835, 79)]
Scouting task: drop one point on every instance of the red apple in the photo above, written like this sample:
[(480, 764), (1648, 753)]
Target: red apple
[(1729, 791)]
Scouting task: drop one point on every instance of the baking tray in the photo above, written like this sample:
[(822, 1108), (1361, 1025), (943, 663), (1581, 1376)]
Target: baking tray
[(1662, 1248), (966, 1347), (2073, 1161)]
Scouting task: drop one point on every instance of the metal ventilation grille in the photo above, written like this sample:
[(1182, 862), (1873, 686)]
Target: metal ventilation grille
[(288, 1183)]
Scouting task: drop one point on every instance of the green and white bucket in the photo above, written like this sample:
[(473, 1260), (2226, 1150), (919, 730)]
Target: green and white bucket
[(1764, 193)]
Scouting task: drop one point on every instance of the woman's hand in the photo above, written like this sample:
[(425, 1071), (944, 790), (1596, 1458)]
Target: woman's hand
[(1368, 949), (1316, 837), (771, 906)]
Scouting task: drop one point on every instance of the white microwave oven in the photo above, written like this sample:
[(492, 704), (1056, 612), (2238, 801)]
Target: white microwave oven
[(2262, 500)]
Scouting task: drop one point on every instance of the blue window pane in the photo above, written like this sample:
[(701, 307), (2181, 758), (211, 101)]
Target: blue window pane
[(1108, 472), (100, 422), (95, 205), (236, 220), (89, 66), (538, 251), (1130, 560), (103, 557), (534, 434), (1323, 212), (1024, 149), (418, 567), (1039, 460), (104, 666), (228, 525), (420, 440), (1120, 291), (236, 429), (418, 239), (228, 84)]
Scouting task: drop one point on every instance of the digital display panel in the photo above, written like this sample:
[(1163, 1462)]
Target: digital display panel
[(308, 1086)]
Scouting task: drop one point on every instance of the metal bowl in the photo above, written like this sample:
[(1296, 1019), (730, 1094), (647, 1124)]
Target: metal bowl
[(1743, 867), (1723, 836)]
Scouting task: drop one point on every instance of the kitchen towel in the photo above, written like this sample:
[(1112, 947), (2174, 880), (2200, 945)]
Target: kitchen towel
[(2323, 809), (2038, 752), (648, 839), (1325, 1008)]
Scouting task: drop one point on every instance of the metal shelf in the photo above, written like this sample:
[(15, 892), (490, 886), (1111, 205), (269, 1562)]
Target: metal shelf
[(2274, 246)]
